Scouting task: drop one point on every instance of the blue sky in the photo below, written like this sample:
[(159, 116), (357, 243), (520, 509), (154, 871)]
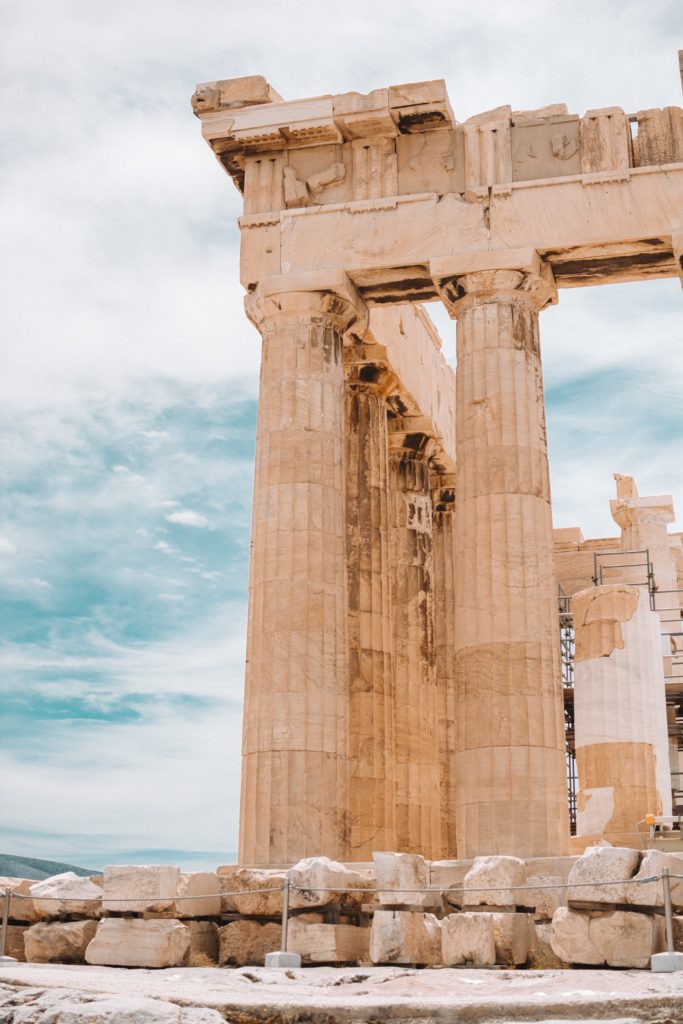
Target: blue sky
[(129, 374)]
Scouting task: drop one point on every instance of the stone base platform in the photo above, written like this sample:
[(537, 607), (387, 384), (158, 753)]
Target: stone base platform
[(324, 994)]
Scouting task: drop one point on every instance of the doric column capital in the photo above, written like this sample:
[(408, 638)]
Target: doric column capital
[(515, 275), (326, 295)]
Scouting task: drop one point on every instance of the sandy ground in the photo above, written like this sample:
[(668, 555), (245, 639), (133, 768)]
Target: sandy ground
[(324, 994)]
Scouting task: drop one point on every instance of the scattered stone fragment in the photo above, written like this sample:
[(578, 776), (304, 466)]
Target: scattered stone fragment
[(67, 893), (399, 875), (131, 942), (541, 954), (468, 939), (600, 865), (405, 937), (262, 904), (328, 943), (511, 937), (500, 876), (616, 938), (545, 901), (198, 884), (21, 905), (140, 888), (317, 881), (245, 943), (58, 943), (651, 894)]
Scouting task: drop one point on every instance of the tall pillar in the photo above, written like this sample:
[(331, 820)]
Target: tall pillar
[(417, 801), (622, 756), (294, 770), (511, 792), (443, 501), (369, 621)]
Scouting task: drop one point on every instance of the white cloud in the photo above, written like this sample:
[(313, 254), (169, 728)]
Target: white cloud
[(7, 547), (186, 517)]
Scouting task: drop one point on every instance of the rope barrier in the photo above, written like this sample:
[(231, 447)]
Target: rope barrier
[(341, 889)]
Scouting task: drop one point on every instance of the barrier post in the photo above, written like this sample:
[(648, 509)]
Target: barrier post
[(285, 914), (671, 960), (282, 958), (3, 931)]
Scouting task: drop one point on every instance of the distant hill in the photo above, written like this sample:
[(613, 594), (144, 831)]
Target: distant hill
[(28, 867)]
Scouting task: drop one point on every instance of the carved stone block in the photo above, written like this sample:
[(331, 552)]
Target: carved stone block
[(545, 148), (431, 162)]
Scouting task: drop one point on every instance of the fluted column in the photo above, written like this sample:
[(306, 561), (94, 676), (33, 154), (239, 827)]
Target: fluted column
[(369, 622), (443, 501), (622, 754), (294, 769), (511, 793), (418, 800)]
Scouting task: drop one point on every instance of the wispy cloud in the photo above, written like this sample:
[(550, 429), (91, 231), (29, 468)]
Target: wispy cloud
[(127, 397)]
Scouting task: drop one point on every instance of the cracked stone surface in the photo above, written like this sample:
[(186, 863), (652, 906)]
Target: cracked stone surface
[(326, 994)]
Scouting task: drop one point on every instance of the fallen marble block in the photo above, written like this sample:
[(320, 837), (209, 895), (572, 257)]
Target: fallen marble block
[(245, 943), (21, 906), (401, 877), (599, 865), (328, 943), (544, 899), (202, 887), (651, 894), (405, 937), (319, 881), (140, 888), (511, 934), (255, 904), (58, 943), (467, 939), (132, 942), (493, 882), (67, 893), (616, 938)]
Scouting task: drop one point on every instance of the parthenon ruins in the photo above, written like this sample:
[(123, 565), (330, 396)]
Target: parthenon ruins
[(412, 683)]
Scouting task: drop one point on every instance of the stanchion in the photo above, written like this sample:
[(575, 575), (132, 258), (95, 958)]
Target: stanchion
[(666, 963), (282, 958), (3, 932)]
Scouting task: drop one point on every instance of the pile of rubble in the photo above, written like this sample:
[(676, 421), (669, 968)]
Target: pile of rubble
[(401, 909)]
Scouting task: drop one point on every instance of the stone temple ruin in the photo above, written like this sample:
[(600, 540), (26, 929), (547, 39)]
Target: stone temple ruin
[(447, 701), (406, 661)]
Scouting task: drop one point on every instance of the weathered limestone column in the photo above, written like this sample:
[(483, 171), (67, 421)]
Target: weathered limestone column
[(295, 741), (369, 621), (511, 793), (417, 800), (445, 569), (619, 713)]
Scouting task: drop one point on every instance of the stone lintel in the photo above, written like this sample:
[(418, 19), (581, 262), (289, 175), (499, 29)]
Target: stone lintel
[(411, 436)]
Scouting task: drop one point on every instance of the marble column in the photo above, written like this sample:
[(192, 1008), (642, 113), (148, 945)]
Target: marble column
[(369, 620), (295, 738), (443, 534), (622, 754), (418, 799), (511, 791)]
